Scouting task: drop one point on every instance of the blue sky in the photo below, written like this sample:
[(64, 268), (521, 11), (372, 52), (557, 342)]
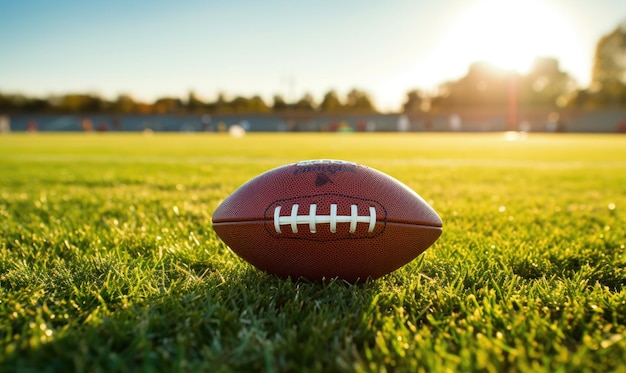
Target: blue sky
[(150, 49)]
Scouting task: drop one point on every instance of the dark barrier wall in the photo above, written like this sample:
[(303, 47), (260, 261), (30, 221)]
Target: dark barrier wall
[(606, 121)]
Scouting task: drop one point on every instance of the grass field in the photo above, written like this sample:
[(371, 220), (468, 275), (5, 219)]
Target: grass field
[(108, 261)]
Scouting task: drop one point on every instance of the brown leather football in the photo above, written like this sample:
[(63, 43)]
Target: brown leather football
[(323, 219)]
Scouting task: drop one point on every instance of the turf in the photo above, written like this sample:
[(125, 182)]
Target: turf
[(108, 261)]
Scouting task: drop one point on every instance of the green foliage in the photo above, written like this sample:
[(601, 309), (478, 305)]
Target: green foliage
[(306, 103), (357, 101), (608, 81), (413, 102), (108, 261), (609, 60), (280, 104), (331, 103), (487, 86), (545, 85)]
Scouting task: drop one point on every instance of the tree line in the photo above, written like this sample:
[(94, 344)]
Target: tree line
[(545, 86), (355, 101)]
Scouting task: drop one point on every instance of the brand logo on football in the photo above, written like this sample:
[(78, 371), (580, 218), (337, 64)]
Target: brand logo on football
[(324, 166), (322, 179)]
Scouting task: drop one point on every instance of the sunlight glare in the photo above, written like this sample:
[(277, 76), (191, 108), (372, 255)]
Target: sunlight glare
[(509, 34)]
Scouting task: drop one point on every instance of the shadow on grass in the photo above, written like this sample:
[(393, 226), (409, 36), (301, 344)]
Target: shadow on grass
[(244, 320)]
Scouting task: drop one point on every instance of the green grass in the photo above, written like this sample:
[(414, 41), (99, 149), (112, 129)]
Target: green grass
[(108, 261)]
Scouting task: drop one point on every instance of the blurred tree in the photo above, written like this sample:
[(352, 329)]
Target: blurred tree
[(359, 101), (36, 105), (488, 86), (167, 105), (305, 104), (257, 105), (7, 103), (124, 104), (221, 105), (80, 103), (4, 102), (239, 104), (16, 103), (279, 104), (330, 102), (580, 98), (608, 81), (484, 85), (414, 102), (194, 104), (545, 85)]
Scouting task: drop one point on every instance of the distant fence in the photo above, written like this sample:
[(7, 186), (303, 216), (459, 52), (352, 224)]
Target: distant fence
[(606, 121)]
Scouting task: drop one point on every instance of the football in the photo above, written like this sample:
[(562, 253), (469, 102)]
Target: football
[(324, 219)]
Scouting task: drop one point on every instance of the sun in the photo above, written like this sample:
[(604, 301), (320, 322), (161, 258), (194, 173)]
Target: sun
[(509, 34)]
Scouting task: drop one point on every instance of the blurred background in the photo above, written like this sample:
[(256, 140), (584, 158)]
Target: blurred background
[(452, 65)]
